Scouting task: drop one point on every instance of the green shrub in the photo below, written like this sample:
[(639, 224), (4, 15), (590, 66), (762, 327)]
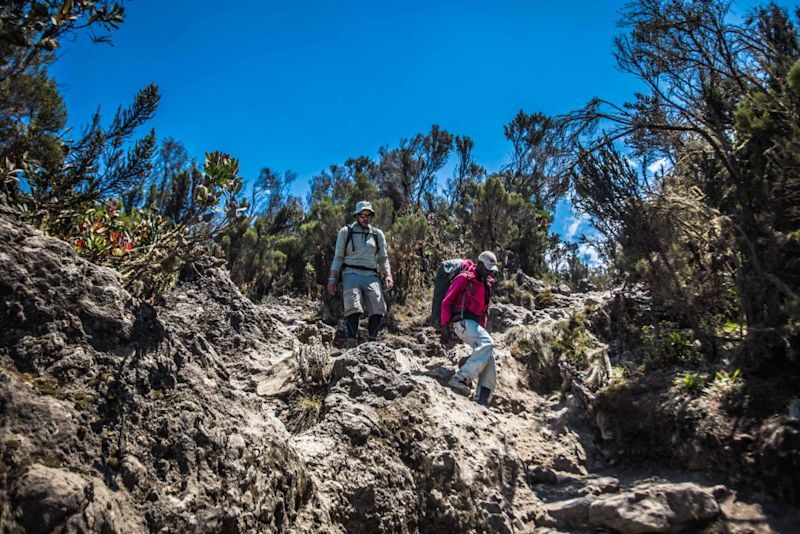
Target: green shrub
[(406, 239), (544, 299), (166, 246), (725, 383), (510, 292)]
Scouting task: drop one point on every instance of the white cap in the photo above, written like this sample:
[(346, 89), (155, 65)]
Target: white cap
[(489, 260), (364, 205)]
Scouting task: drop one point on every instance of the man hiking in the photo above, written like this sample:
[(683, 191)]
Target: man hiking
[(465, 311), (361, 256)]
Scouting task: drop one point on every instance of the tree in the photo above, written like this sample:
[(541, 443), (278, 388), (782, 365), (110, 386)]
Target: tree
[(532, 171), (407, 237), (173, 181), (31, 30), (721, 109), (466, 170), (32, 112), (492, 214), (96, 167), (407, 174), (531, 242)]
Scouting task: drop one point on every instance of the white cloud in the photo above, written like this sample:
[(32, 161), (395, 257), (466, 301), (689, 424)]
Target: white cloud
[(659, 165), (574, 225), (589, 254)]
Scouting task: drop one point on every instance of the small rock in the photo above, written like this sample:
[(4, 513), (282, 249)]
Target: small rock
[(584, 285), (720, 492), (541, 475), (133, 472), (601, 486), (572, 513)]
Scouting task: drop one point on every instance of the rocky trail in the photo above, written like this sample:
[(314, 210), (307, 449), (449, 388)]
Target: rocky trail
[(207, 413), (394, 443)]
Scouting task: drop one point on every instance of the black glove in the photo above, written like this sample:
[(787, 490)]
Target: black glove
[(445, 334)]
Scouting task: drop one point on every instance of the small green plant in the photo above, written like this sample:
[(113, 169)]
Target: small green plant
[(310, 404), (679, 345), (733, 329), (691, 382), (724, 382), (724, 378), (619, 375)]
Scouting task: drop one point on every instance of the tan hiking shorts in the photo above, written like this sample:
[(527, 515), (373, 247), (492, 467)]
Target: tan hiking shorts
[(362, 294)]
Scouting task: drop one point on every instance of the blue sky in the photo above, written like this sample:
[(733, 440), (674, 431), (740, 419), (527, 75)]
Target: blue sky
[(299, 86)]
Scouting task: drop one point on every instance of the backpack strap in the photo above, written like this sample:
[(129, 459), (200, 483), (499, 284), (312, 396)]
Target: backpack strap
[(350, 238), (377, 241), (471, 289)]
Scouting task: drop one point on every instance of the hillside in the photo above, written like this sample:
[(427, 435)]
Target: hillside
[(207, 413)]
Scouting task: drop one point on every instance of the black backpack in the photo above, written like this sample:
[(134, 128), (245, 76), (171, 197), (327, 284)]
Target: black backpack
[(445, 273)]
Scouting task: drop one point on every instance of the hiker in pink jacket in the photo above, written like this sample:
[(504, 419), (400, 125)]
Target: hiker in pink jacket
[(466, 307)]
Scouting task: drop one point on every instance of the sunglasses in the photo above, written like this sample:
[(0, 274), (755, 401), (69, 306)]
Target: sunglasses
[(366, 215)]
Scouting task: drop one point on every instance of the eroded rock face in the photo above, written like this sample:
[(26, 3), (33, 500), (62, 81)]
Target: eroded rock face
[(119, 417), (47, 499), (395, 451)]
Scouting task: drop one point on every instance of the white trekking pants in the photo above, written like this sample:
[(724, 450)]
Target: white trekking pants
[(480, 364)]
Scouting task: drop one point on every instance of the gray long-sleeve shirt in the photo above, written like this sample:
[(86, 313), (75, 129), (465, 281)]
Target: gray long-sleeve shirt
[(367, 248)]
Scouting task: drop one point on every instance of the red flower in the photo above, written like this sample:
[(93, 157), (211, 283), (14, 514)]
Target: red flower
[(129, 246), (79, 243)]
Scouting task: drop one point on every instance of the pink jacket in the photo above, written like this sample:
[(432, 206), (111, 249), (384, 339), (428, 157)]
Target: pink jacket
[(474, 293)]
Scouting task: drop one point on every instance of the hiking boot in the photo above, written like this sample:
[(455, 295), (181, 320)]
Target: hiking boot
[(374, 326), (351, 343), (484, 395), (459, 385)]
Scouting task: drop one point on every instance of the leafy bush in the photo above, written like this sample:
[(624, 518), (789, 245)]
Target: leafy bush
[(665, 345), (576, 344), (153, 264), (103, 232), (406, 239), (578, 347)]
